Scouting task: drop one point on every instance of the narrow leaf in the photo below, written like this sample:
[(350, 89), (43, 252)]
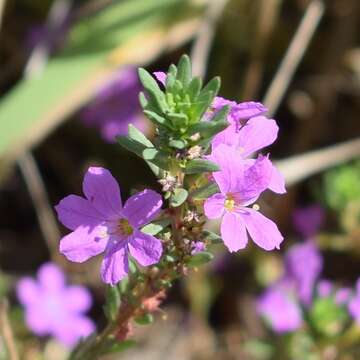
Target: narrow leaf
[(146, 319), (200, 166), (200, 258), (152, 88), (212, 237), (213, 85), (184, 70), (136, 135), (156, 226), (205, 191)]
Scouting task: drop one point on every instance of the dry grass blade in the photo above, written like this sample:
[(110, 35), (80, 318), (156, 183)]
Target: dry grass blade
[(6, 331), (202, 43), (293, 56), (300, 167)]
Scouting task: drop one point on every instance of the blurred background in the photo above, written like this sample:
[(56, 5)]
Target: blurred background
[(68, 86)]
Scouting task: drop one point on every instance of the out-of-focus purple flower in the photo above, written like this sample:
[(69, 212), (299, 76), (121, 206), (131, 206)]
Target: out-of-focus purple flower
[(52, 308), (197, 247), (116, 106), (325, 288), (240, 184), (100, 223), (303, 265), (280, 309), (354, 304), (342, 296), (308, 220)]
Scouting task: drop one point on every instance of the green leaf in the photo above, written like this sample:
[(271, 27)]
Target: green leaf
[(200, 259), (157, 119), (157, 97), (136, 135), (202, 103), (115, 346), (156, 226), (184, 70), (178, 197), (200, 166), (177, 144), (156, 157), (178, 120), (131, 145), (212, 237), (194, 88), (205, 191), (143, 101), (146, 319), (212, 86), (113, 300)]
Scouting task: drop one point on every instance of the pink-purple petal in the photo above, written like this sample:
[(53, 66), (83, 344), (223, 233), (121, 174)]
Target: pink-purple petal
[(258, 133), (103, 192), (83, 243), (73, 329), (51, 278), (77, 299), (160, 77), (74, 211), (214, 206), (231, 168), (142, 207), (277, 181), (145, 249), (27, 291), (34, 319), (248, 109), (254, 180), (115, 265), (262, 230), (233, 232)]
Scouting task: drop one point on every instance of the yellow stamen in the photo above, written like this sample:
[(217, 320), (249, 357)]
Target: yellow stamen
[(125, 228), (229, 203)]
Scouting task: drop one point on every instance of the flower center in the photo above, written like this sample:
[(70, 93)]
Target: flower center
[(229, 202), (124, 227)]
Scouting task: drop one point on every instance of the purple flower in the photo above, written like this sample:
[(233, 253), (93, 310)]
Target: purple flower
[(240, 185), (308, 220), (197, 247), (116, 106), (238, 113), (257, 133), (101, 224), (303, 265), (52, 308), (354, 304), (280, 309)]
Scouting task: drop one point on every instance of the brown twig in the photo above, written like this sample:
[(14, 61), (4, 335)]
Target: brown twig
[(6, 331), (202, 43), (293, 56)]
